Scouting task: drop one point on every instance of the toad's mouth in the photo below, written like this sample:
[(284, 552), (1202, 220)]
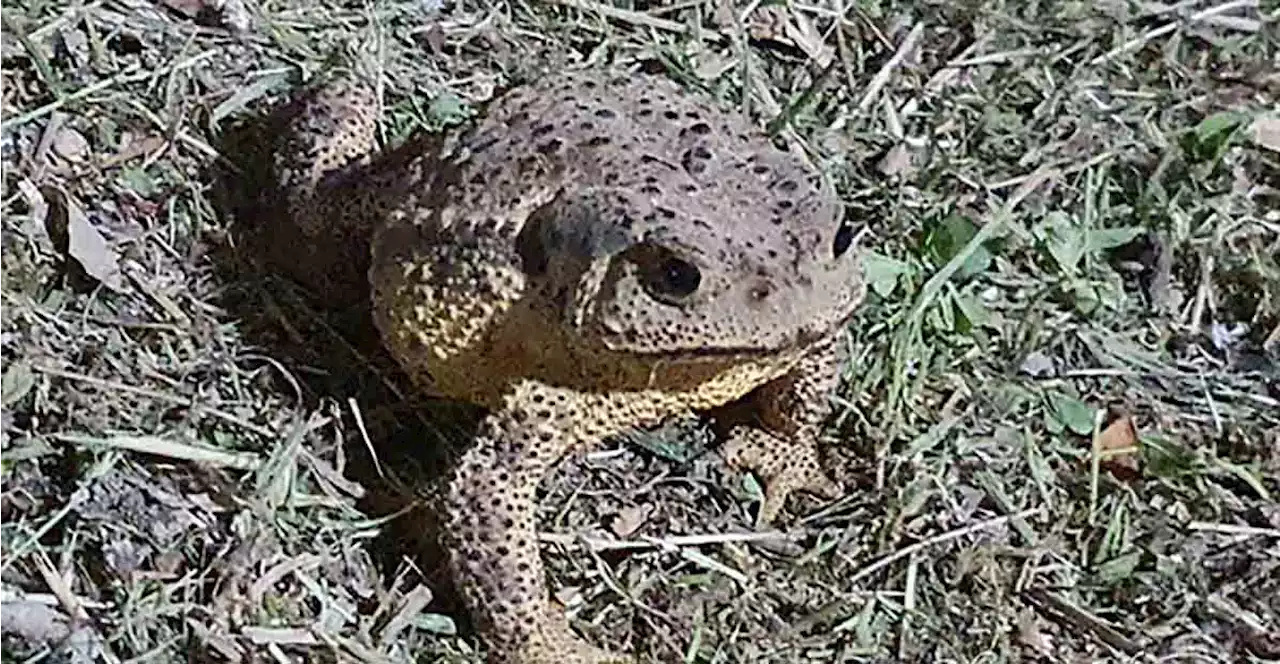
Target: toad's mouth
[(799, 341)]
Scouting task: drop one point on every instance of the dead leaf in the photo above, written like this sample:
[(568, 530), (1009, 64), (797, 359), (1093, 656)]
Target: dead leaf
[(1029, 633), (185, 8), (628, 520), (233, 15), (712, 65), (36, 226), (1037, 364), (776, 23), (1273, 339), (281, 635), (17, 380), (229, 14), (413, 604), (90, 249), (1266, 132), (1118, 446), (435, 39), (808, 39), (897, 161), (33, 622), (133, 145), (70, 145)]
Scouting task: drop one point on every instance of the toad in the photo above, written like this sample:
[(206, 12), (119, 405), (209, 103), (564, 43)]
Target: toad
[(597, 253)]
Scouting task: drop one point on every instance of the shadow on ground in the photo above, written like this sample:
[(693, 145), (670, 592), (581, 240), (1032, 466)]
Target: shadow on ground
[(305, 302)]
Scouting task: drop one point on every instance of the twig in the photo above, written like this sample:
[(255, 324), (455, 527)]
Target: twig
[(605, 544), (159, 396), (1076, 616), (941, 538), (1239, 23), (1233, 529), (882, 77), (637, 18), (1141, 40), (168, 448)]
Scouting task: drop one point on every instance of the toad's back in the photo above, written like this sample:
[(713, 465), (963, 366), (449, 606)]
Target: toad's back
[(634, 133)]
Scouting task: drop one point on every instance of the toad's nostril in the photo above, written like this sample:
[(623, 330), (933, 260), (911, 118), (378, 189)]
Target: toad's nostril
[(761, 291)]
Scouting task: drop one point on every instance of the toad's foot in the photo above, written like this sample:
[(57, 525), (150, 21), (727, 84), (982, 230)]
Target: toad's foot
[(491, 534), (785, 464), (554, 642), (332, 133)]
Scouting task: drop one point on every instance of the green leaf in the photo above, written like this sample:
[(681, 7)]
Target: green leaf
[(1071, 413), (1064, 240), (245, 95), (1101, 239), (1217, 125), (1208, 142), (676, 442), (434, 623), (1167, 458), (16, 382), (1119, 568), (1250, 477), (447, 109), (140, 181), (942, 316), (1084, 295), (1115, 539), (882, 273), (972, 309), (945, 240)]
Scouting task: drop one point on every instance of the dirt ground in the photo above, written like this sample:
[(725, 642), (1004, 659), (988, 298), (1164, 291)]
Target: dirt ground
[(1059, 427)]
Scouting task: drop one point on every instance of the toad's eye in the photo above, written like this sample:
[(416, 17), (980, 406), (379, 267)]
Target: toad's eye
[(668, 277), (843, 239), (680, 277)]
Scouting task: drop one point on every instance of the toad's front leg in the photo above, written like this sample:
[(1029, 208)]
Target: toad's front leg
[(791, 411), (490, 531)]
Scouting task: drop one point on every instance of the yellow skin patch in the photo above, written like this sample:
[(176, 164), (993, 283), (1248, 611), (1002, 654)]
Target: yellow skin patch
[(597, 253)]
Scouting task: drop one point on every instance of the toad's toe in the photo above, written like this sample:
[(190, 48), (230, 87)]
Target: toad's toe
[(555, 643), (785, 466)]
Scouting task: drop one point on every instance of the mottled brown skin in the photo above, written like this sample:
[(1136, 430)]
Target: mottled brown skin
[(598, 253)]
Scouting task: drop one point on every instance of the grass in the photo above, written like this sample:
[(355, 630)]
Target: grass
[(1061, 421)]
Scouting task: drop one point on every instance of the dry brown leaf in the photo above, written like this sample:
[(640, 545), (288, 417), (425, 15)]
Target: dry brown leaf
[(1029, 633), (808, 39), (33, 622), (70, 145), (779, 24), (134, 145), (628, 520), (1118, 445), (90, 249), (37, 222), (1266, 132), (897, 162), (185, 8)]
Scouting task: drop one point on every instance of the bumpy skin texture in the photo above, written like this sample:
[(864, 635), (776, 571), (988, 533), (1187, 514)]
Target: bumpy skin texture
[(598, 253)]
